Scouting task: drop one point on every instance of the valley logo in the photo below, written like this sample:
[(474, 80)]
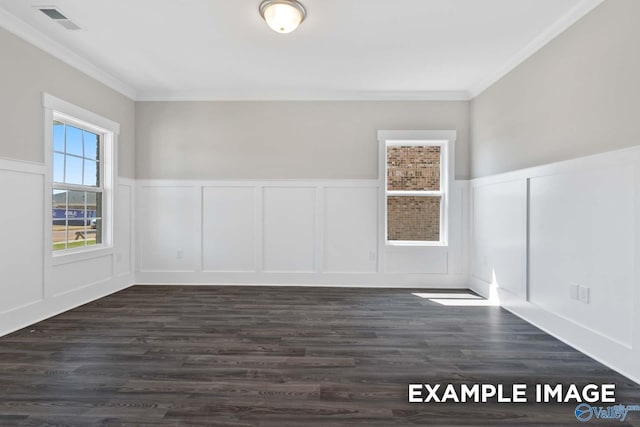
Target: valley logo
[(585, 412), (586, 397)]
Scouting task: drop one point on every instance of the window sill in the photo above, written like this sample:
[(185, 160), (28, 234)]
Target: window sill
[(413, 244), (71, 256)]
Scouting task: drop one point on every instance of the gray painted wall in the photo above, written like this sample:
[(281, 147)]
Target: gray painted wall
[(576, 96), (281, 139), (25, 73)]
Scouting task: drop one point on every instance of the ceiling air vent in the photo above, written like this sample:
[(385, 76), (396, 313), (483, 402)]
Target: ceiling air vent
[(55, 14), (52, 13)]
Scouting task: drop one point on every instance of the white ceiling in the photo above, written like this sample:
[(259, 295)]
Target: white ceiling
[(345, 49)]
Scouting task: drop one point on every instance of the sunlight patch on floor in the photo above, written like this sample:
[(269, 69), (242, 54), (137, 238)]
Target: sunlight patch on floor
[(456, 295), (458, 299)]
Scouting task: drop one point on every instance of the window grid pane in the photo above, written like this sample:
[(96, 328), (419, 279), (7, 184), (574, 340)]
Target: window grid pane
[(58, 167), (73, 141), (59, 221), (413, 218), (91, 147), (73, 170), (413, 168), (90, 176), (76, 218), (58, 136), (76, 156)]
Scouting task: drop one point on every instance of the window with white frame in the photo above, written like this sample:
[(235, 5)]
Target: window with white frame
[(415, 192), (81, 179)]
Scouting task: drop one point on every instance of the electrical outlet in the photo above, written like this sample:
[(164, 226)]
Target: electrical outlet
[(179, 253), (573, 290), (583, 294)]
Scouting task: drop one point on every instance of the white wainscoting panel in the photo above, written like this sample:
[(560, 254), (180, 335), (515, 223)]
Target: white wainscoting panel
[(229, 231), (499, 253), (284, 232), (457, 253), (21, 279), (537, 232), (123, 230), (289, 229), (34, 285), (351, 225), (416, 259), (580, 227), (70, 277), (168, 219)]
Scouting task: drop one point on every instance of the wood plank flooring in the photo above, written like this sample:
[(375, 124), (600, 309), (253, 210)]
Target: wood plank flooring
[(281, 356)]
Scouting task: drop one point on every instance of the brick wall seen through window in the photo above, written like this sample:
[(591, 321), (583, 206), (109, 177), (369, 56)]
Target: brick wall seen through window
[(413, 168)]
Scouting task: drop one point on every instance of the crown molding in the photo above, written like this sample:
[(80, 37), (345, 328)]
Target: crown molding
[(28, 33), (559, 26), (303, 95), (31, 35)]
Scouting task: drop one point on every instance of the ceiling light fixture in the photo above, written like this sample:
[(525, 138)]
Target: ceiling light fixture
[(283, 16)]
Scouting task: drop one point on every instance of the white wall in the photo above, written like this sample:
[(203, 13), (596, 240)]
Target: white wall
[(537, 231), (283, 232), (34, 287)]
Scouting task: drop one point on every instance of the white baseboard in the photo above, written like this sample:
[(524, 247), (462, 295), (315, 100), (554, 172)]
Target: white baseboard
[(21, 317), (365, 280), (610, 353)]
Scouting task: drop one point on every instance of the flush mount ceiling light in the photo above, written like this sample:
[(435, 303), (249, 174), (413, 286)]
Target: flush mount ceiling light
[(283, 16)]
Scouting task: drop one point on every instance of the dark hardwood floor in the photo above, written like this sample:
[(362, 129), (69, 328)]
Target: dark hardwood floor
[(281, 356)]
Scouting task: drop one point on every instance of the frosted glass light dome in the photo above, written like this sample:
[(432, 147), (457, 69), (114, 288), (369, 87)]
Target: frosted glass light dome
[(283, 16)]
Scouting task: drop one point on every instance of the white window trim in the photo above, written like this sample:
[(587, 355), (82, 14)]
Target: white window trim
[(56, 108), (446, 140)]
